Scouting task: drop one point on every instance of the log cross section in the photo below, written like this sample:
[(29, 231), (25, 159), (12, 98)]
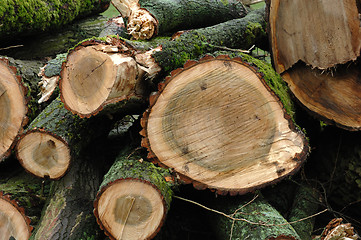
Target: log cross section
[(217, 123)]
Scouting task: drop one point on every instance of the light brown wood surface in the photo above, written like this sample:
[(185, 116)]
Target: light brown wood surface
[(217, 123)]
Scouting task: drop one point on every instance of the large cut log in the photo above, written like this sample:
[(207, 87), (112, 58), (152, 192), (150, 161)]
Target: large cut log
[(13, 105), (323, 68), (253, 219), (134, 198), (224, 123), (19, 17), (13, 222), (146, 19), (99, 73)]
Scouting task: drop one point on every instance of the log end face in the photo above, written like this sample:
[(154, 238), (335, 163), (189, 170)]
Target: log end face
[(232, 135), (142, 24), (43, 154), (130, 209), (13, 221), (13, 107)]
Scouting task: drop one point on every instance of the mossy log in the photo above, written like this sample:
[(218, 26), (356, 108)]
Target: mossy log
[(68, 213), (146, 19), (31, 17), (305, 204), (255, 219), (234, 135), (134, 198), (105, 71), (322, 69), (22, 197)]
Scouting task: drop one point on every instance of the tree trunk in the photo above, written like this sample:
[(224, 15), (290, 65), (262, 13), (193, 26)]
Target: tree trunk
[(123, 67), (13, 104), (257, 219), (234, 135), (321, 69), (133, 199), (147, 18), (24, 18), (68, 212)]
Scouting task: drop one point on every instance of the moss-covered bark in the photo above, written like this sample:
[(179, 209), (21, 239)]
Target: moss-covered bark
[(305, 204), (29, 192), (29, 17), (265, 222), (181, 15)]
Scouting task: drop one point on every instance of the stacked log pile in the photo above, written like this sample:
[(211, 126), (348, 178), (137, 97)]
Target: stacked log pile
[(203, 110)]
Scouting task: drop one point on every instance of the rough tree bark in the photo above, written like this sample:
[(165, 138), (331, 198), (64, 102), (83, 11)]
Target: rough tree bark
[(19, 17), (134, 198), (146, 19), (206, 129), (321, 69), (123, 67)]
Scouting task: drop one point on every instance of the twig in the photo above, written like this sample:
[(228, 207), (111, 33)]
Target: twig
[(247, 221), (235, 50), (16, 46)]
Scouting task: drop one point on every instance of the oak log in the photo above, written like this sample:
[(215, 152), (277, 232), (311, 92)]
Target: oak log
[(221, 125), (146, 19)]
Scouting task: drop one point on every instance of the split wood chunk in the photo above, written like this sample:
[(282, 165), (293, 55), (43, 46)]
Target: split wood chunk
[(320, 33), (13, 107), (95, 75), (217, 123), (13, 222), (147, 18), (334, 96), (133, 199)]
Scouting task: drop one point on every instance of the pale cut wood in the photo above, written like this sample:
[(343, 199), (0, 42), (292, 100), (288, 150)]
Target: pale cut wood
[(44, 154), (13, 222), (131, 209), (321, 33), (217, 123), (13, 107), (97, 75), (334, 96)]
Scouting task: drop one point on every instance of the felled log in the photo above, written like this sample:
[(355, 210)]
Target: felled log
[(99, 73), (322, 68), (253, 219), (234, 135), (23, 18), (133, 199), (13, 104), (146, 19), (13, 222), (68, 212)]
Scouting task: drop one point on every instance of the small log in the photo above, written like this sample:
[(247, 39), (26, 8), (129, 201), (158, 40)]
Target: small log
[(13, 105), (133, 199), (257, 219), (99, 73), (234, 135), (146, 19), (13, 222), (22, 18)]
